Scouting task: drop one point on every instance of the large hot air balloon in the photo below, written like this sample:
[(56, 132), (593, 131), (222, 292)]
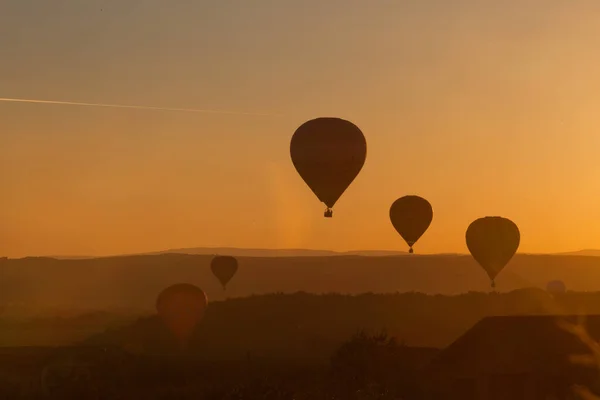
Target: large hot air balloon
[(224, 268), (556, 287), (182, 307), (328, 153), (492, 242), (411, 216)]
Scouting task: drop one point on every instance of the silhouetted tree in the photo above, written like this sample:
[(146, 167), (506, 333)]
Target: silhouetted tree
[(375, 364)]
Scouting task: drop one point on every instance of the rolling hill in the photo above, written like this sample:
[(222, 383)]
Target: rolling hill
[(243, 252), (134, 281)]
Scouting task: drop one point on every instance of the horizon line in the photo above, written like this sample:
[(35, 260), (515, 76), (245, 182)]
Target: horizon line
[(333, 253)]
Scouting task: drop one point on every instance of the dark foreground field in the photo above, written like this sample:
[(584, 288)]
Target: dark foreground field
[(273, 346), (366, 367)]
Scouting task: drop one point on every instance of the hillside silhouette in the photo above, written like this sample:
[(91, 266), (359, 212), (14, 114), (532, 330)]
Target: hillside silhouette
[(302, 325), (299, 325), (133, 281), (268, 342)]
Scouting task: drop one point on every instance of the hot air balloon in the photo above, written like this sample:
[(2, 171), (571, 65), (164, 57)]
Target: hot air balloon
[(224, 268), (182, 307), (411, 216), (556, 287), (493, 241), (328, 153)]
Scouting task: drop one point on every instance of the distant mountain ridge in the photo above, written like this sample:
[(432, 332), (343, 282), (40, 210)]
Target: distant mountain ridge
[(586, 252), (243, 252), (240, 252)]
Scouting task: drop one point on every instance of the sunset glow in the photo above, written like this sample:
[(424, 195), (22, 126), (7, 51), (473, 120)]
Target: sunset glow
[(481, 109)]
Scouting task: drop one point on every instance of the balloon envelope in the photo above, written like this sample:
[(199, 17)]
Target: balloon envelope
[(224, 268), (328, 153), (182, 307), (556, 287), (411, 216), (493, 241)]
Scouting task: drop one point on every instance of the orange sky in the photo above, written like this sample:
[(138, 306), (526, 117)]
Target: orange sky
[(481, 107)]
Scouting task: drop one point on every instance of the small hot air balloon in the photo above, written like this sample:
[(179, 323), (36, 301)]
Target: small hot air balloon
[(328, 153), (493, 241), (411, 216), (182, 307), (556, 287), (224, 268)]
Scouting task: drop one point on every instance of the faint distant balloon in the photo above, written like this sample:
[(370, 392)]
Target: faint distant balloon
[(224, 268), (411, 216), (493, 241), (328, 153), (556, 287), (182, 307)]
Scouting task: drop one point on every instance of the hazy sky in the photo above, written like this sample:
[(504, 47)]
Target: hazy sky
[(484, 107)]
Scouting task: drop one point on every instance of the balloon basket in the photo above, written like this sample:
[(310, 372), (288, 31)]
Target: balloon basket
[(411, 251), (328, 213)]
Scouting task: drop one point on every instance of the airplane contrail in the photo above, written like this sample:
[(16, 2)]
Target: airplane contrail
[(193, 110)]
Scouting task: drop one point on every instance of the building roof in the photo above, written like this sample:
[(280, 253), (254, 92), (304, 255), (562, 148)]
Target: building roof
[(515, 344)]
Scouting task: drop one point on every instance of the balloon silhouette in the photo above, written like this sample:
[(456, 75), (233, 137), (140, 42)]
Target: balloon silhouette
[(328, 154), (411, 216), (224, 268), (182, 307), (493, 241), (556, 287)]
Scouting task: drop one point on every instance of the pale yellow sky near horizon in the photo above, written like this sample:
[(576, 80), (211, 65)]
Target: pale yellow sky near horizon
[(482, 108)]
